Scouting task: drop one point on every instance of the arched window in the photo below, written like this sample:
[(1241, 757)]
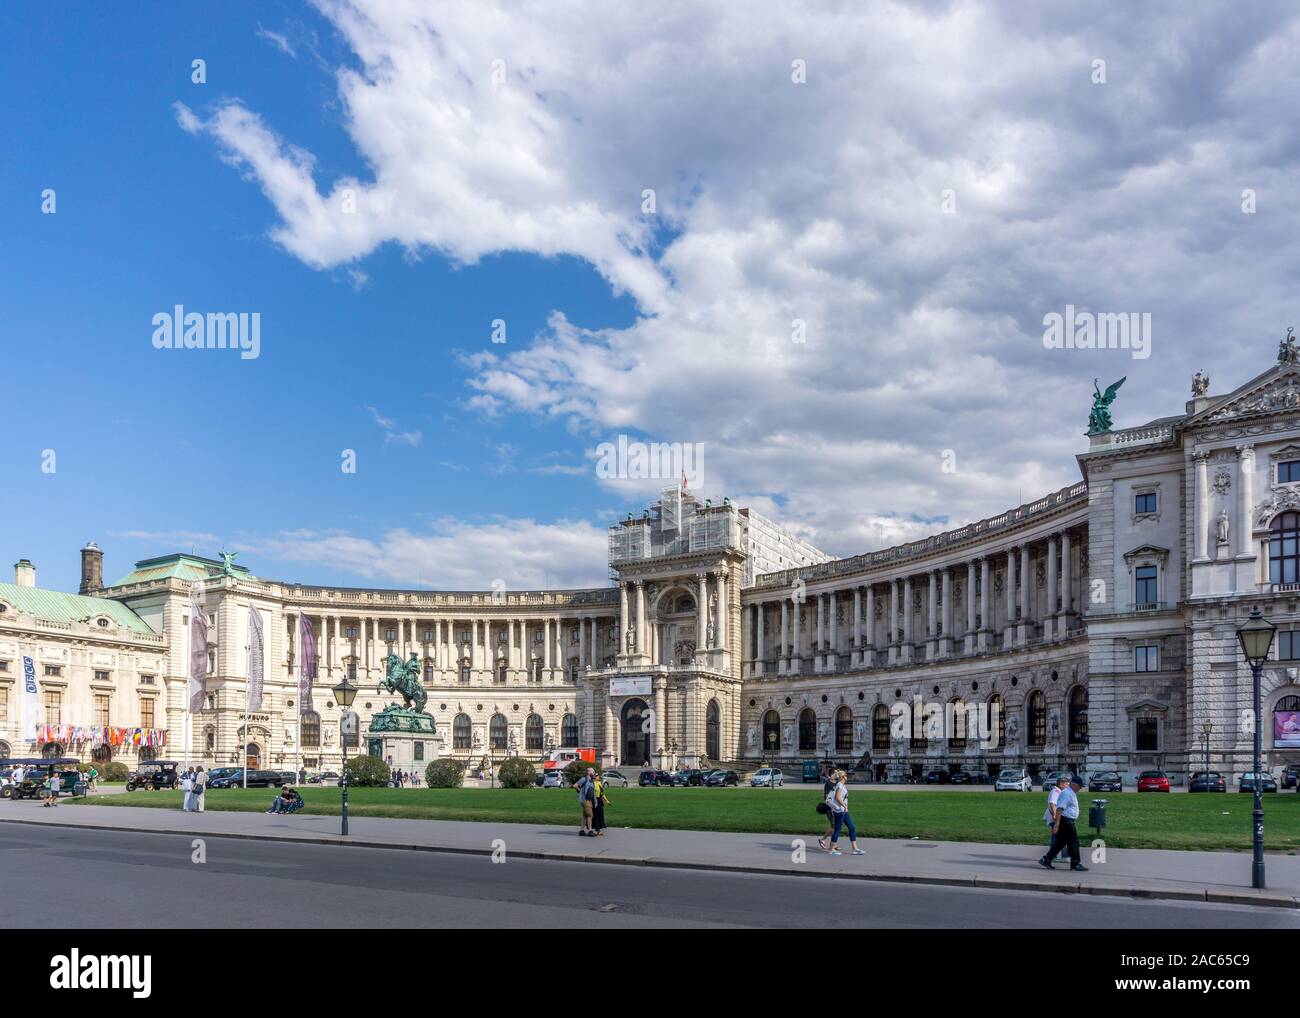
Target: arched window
[(310, 729), (957, 723), (713, 731), (771, 731), (533, 733), (880, 727), (210, 739), (997, 721), (1079, 715), (52, 749), (807, 729), (5, 750), (497, 731), (844, 729), (1284, 548), (569, 735), (102, 753), (460, 731), (1036, 706)]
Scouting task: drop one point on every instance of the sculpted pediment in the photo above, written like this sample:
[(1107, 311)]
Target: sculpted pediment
[(1276, 391)]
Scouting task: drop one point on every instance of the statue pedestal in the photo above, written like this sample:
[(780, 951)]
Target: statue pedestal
[(404, 739)]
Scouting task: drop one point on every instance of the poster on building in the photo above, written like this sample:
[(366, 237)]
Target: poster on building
[(1286, 729), (638, 686), (350, 727)]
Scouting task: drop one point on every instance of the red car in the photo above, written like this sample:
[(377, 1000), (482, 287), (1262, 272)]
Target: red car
[(1153, 781)]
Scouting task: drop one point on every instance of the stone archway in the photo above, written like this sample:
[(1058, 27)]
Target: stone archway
[(635, 742)]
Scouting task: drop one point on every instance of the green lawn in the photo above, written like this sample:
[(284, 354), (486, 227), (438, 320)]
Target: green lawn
[(1135, 821)]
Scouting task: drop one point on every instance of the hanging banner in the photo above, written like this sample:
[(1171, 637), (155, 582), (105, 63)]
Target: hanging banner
[(198, 686), (28, 711), (1286, 729), (306, 663), (256, 658)]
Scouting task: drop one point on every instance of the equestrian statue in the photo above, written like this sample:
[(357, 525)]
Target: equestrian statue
[(404, 677)]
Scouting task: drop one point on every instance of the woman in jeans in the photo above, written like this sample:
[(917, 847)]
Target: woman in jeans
[(840, 815)]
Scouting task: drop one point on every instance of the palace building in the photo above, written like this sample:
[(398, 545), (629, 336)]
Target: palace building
[(1092, 628)]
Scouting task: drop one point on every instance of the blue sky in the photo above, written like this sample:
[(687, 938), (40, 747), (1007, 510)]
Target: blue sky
[(800, 157)]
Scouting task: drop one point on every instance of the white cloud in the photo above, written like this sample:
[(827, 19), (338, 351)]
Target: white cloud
[(392, 436), (821, 202)]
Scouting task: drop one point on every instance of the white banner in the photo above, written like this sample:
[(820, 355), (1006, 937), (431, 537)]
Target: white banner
[(29, 702), (639, 685)]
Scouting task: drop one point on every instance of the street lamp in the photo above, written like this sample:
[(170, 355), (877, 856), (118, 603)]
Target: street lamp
[(771, 767), (1207, 728), (344, 694), (1256, 638)]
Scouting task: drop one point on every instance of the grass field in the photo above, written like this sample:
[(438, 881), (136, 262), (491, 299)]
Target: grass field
[(1208, 822)]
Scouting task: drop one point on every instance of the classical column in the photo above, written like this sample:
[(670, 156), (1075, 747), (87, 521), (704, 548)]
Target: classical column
[(1067, 587), (819, 648), (891, 627), (546, 647), (986, 602), (1246, 459), (622, 618), (855, 660), (1049, 617), (796, 649), (583, 663), (834, 660), (970, 607), (759, 621), (869, 647), (908, 621), (657, 739), (724, 616), (702, 620), (783, 662), (1202, 542), (945, 636), (1026, 586), (641, 633), (1010, 635), (931, 617)]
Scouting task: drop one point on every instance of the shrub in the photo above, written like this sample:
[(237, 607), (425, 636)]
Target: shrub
[(111, 771), (576, 770), (516, 772), (444, 773), (368, 771)]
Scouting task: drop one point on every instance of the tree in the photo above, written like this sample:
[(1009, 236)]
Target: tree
[(516, 772)]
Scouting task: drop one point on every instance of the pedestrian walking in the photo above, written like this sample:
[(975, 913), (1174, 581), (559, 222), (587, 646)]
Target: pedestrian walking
[(1049, 814), (587, 803), (187, 786), (92, 776), (840, 815), (1065, 828), (598, 809), (200, 787), (824, 808), (53, 784)]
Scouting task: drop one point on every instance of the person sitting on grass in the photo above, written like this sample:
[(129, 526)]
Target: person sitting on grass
[(288, 801)]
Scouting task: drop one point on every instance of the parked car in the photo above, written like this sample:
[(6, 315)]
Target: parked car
[(767, 777), (961, 778), (721, 779), (1049, 782), (34, 777), (1207, 781), (1153, 781), (328, 776), (1014, 780), (615, 779), (690, 777), (1106, 781), (221, 772), (654, 778), (1266, 783), (290, 778), (1291, 776), (256, 779), (553, 779), (154, 774), (936, 778)]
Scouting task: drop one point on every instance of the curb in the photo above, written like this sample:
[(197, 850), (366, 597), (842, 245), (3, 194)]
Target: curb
[(1242, 897)]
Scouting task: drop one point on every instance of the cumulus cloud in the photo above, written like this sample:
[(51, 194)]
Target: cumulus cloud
[(842, 286)]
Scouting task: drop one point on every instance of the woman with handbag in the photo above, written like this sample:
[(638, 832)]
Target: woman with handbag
[(839, 805), (598, 810)]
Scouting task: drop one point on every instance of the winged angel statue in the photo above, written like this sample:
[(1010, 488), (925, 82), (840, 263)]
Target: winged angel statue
[(1100, 420)]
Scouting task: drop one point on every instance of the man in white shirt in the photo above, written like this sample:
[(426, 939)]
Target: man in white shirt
[(1067, 815)]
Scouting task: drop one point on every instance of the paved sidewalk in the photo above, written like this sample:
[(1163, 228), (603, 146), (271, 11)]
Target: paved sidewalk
[(1146, 873)]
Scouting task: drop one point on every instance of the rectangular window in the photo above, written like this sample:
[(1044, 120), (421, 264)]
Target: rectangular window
[(146, 712), (4, 703), (1145, 592), (146, 680), (101, 710), (1148, 735), (1146, 658), (419, 751), (1288, 471), (54, 670), (53, 707), (102, 676), (4, 666), (1145, 502), (1288, 644)]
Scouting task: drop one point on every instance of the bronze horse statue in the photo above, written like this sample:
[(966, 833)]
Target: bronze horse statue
[(404, 677)]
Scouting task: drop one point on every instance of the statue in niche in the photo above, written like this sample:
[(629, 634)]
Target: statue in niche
[(631, 639), (1221, 527), (860, 731), (786, 735), (1054, 728), (822, 731), (752, 737)]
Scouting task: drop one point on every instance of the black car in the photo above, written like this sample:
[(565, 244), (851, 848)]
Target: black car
[(721, 779), (961, 778), (1207, 781), (154, 774), (691, 777), (33, 785), (1266, 783), (1291, 776), (655, 778), (256, 779), (1106, 781), (937, 778)]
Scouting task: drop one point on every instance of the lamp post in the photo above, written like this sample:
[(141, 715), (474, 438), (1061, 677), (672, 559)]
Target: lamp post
[(771, 767), (1207, 727), (1256, 638), (344, 694)]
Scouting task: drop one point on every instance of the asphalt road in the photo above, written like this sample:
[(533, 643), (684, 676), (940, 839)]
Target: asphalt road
[(64, 878)]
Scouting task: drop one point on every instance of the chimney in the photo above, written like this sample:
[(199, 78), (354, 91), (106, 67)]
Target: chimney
[(24, 573), (92, 568)]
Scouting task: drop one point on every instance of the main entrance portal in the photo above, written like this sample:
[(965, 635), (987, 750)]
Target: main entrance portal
[(636, 740)]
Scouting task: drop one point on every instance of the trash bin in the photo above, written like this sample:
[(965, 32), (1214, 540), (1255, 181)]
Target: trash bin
[(1097, 815), (79, 788)]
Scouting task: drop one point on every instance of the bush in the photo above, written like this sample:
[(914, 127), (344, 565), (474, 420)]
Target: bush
[(516, 772), (444, 773), (368, 771), (111, 771), (576, 770)]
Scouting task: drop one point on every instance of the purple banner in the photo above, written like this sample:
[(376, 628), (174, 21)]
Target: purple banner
[(306, 663), (256, 657), (1286, 729), (198, 650)]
